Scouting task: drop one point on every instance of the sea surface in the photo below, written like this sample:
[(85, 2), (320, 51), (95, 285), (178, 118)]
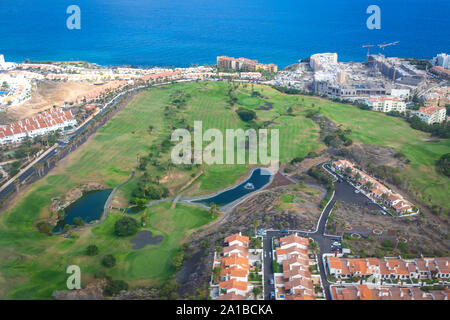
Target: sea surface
[(185, 32)]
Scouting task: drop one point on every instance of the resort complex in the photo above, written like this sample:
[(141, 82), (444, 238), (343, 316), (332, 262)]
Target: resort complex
[(244, 64), (232, 268), (389, 269), (42, 123), (374, 292), (299, 279), (374, 189)]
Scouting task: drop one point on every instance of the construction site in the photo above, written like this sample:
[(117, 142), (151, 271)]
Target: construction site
[(378, 76)]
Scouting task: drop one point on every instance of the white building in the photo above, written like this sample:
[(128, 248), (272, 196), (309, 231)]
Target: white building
[(320, 61), (386, 104), (442, 60), (431, 115), (402, 94), (40, 124), (6, 65)]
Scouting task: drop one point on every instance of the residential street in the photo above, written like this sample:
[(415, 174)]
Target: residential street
[(344, 192)]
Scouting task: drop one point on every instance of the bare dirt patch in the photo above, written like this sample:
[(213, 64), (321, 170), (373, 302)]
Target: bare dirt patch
[(46, 94), (363, 154), (422, 235)]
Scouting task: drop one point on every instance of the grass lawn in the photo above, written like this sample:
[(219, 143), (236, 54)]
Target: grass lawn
[(380, 129), (33, 265)]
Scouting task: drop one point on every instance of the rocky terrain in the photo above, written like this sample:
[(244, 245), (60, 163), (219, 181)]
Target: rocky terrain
[(420, 234)]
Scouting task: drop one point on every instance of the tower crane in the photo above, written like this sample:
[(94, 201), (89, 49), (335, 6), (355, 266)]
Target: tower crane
[(384, 45), (368, 46)]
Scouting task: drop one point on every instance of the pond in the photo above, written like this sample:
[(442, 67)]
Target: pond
[(89, 208), (134, 210), (256, 181)]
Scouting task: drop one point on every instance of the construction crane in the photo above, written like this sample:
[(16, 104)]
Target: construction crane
[(368, 46), (384, 45)]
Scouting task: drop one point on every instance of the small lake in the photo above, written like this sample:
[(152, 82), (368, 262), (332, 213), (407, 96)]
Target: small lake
[(89, 208), (256, 181), (134, 210)]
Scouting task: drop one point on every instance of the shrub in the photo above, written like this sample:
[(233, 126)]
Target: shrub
[(387, 243), (92, 250), (297, 160), (114, 287), (109, 261), (78, 222), (246, 114), (125, 226), (443, 165), (44, 227)]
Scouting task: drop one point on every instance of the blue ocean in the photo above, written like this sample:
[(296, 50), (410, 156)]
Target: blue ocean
[(185, 32)]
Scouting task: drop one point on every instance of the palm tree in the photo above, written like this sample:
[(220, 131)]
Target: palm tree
[(256, 224), (314, 247), (39, 166), (213, 209), (348, 170), (216, 274), (17, 184), (256, 291)]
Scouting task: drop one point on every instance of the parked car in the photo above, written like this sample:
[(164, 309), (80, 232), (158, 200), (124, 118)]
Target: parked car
[(336, 244), (283, 230), (272, 295), (356, 191), (271, 281)]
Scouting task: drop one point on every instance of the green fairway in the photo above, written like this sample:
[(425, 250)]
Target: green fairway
[(33, 265)]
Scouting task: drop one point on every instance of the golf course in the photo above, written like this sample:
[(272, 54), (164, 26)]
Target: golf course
[(33, 264)]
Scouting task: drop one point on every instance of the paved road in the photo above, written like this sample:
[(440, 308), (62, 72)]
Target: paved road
[(30, 172), (268, 266)]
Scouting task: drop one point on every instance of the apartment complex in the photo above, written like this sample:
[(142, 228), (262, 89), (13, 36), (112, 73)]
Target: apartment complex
[(386, 104), (296, 282), (234, 267), (375, 292), (375, 190), (438, 97), (396, 69), (244, 64), (441, 60), (40, 124), (431, 115), (389, 268), (321, 61)]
